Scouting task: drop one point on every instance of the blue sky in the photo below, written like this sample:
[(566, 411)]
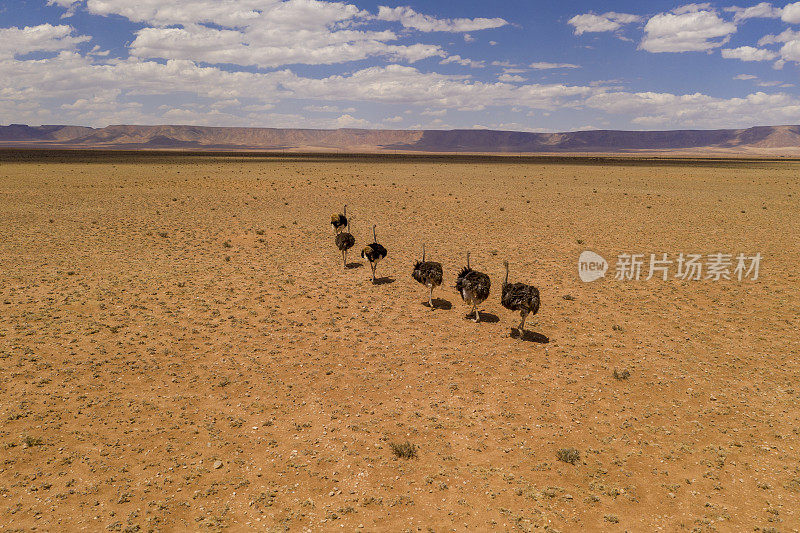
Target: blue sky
[(514, 65)]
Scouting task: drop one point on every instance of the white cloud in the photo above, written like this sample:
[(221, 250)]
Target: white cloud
[(42, 38), (690, 28), (791, 13), (748, 53), (543, 65), (761, 10), (589, 22), (511, 78), (784, 37), (665, 110), (272, 33), (790, 49), (463, 61), (270, 47), (426, 23), (744, 77), (349, 121), (328, 109), (398, 84), (226, 13), (394, 120)]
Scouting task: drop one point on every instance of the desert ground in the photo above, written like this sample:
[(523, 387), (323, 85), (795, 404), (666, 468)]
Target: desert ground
[(181, 347)]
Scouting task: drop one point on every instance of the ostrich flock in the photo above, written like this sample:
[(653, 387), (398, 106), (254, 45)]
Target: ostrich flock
[(473, 286)]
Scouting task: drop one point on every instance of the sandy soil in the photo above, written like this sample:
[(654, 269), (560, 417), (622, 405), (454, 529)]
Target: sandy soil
[(181, 349)]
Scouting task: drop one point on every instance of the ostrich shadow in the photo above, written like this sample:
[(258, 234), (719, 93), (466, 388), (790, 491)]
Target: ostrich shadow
[(383, 281), (440, 303), (489, 318), (530, 336), (354, 265)]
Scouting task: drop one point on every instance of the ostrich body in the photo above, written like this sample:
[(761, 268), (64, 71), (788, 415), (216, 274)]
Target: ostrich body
[(474, 287), (520, 297), (373, 253), (339, 222), (345, 241), (428, 273)]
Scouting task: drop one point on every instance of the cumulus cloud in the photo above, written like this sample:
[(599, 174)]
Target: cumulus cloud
[(761, 10), (41, 38), (543, 65), (690, 28), (784, 37), (426, 23), (591, 23), (463, 61), (651, 109), (265, 48), (185, 55), (511, 78), (328, 109), (745, 77), (400, 84), (272, 33), (791, 13), (748, 53), (790, 49)]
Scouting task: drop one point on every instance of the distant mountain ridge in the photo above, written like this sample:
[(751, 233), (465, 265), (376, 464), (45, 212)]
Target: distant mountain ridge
[(759, 138)]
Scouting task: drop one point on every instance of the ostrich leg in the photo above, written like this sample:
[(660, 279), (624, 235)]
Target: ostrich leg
[(430, 297), (522, 324)]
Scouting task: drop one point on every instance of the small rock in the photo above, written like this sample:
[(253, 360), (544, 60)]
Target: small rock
[(217, 465)]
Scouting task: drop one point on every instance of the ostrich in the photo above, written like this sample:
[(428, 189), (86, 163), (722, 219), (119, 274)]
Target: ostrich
[(345, 241), (339, 222), (373, 253), (520, 297), (428, 273), (473, 287)]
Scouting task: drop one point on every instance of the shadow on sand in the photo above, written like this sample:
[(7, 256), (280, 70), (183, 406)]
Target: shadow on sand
[(440, 303), (530, 336), (490, 318), (354, 265), (383, 281)]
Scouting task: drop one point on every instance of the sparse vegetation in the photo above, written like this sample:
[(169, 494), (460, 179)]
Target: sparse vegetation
[(28, 441), (169, 380), (403, 450), (621, 375), (568, 455)]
